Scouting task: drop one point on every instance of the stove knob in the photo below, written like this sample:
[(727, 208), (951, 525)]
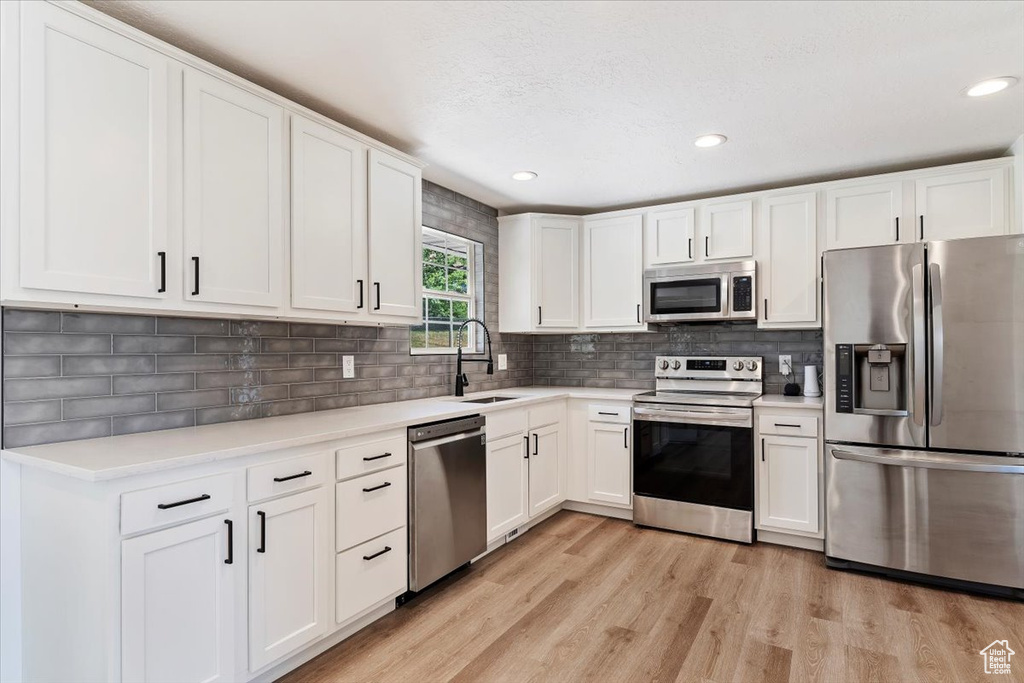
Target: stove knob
[(751, 365), (676, 365), (663, 365), (738, 365)]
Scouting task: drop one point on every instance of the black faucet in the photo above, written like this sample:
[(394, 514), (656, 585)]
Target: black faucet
[(460, 379)]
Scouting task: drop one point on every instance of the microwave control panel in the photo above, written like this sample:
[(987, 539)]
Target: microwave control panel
[(742, 293)]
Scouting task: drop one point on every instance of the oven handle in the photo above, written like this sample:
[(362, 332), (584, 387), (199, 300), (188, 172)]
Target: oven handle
[(741, 419), (936, 461)]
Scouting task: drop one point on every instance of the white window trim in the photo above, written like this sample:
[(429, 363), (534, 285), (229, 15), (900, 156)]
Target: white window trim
[(469, 333)]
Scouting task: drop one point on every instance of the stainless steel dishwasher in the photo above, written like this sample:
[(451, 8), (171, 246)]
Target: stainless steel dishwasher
[(447, 497)]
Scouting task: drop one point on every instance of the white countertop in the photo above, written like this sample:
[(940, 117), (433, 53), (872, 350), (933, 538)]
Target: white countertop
[(133, 454), (780, 401)]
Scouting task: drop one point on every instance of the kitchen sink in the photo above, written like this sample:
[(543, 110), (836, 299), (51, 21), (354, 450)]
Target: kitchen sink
[(490, 399)]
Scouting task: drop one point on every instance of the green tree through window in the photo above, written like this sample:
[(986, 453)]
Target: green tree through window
[(449, 293)]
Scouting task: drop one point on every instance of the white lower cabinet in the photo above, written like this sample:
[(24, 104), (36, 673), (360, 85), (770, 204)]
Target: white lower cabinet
[(508, 473), (789, 481), (369, 573), (289, 578), (546, 454), (178, 614), (608, 463)]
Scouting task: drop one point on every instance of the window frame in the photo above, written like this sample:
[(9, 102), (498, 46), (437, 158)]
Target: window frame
[(469, 298)]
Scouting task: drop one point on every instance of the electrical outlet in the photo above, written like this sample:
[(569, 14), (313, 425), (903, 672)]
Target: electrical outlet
[(348, 367), (503, 361), (786, 365)]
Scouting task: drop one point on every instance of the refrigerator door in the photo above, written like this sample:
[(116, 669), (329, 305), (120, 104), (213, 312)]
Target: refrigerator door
[(959, 516), (976, 386), (876, 296)]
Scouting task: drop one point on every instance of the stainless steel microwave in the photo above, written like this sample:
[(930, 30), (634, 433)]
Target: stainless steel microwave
[(710, 291)]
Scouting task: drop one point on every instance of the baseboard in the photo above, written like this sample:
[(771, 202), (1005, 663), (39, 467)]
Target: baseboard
[(368, 617), (596, 509), (792, 540)]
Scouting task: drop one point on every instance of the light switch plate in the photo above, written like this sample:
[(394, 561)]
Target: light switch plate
[(786, 365), (348, 367), (503, 361)]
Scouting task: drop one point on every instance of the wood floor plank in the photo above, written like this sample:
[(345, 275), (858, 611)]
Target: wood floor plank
[(583, 598)]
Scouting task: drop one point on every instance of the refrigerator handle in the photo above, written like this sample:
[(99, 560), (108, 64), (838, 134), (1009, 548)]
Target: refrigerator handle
[(937, 342), (917, 282)]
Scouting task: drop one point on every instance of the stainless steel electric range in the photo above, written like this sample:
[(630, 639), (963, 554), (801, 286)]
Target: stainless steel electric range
[(693, 446)]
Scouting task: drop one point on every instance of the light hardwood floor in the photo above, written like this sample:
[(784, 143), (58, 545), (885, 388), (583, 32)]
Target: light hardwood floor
[(584, 598)]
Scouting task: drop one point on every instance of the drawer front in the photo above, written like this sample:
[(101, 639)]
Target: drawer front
[(369, 506), (175, 503), (609, 413), (505, 423), (361, 582), (547, 414), (371, 455), (287, 476), (788, 425)]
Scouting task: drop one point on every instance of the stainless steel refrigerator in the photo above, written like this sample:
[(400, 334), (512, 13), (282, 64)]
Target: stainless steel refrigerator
[(924, 411)]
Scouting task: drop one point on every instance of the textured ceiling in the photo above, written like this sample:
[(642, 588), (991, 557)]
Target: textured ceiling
[(604, 99)]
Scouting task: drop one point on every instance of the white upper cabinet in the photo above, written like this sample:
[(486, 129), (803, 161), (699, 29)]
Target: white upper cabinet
[(94, 159), (395, 235), (865, 216), (727, 230), (613, 272), (178, 615), (328, 251), (788, 260), (234, 189), (971, 204), (556, 272), (669, 237)]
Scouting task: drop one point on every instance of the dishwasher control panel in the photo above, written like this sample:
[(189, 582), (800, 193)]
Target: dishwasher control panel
[(438, 430)]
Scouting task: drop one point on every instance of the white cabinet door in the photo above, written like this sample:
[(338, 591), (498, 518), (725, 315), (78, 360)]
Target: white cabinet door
[(556, 272), (234, 189), (507, 485), (669, 237), (547, 451), (178, 612), (94, 156), (959, 205), (328, 254), (865, 216), (727, 230), (608, 463), (788, 484), (613, 272), (788, 260), (289, 574), (395, 234)]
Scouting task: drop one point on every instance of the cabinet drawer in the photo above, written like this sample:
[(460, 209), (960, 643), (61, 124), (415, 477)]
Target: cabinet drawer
[(505, 423), (175, 503), (788, 425), (369, 506), (606, 413), (547, 414), (369, 573), (286, 476), (371, 455)]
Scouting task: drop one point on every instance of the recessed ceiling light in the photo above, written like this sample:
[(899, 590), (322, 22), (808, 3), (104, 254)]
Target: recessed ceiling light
[(524, 175), (991, 86), (710, 140)]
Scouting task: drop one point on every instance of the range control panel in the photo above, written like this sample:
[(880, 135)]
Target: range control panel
[(742, 293), (708, 367)]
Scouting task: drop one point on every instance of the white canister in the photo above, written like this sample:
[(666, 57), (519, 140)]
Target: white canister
[(811, 381)]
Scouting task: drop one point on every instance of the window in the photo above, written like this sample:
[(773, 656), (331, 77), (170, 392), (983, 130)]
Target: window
[(450, 291)]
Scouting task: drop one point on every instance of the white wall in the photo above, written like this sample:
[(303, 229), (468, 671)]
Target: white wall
[(1017, 150)]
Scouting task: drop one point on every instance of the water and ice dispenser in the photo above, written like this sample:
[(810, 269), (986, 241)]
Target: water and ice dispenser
[(871, 379)]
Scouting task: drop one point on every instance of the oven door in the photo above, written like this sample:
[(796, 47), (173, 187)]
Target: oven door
[(670, 298), (703, 456)]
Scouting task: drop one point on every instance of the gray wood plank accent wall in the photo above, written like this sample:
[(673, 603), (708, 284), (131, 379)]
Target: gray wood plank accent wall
[(84, 375)]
